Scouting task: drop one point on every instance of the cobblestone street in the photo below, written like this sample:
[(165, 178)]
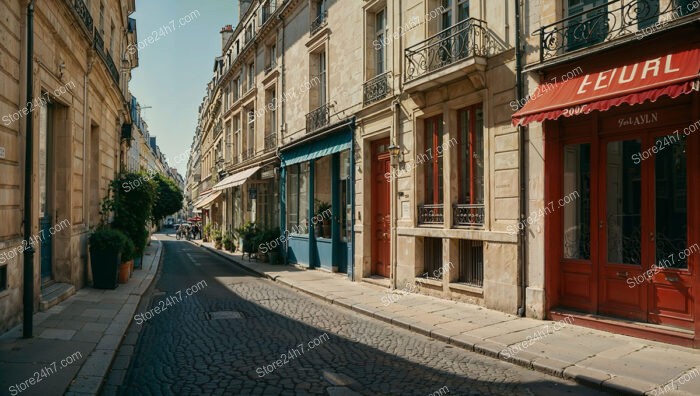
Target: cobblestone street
[(229, 337)]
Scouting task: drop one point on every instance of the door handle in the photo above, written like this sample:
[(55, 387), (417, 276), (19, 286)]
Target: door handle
[(651, 236)]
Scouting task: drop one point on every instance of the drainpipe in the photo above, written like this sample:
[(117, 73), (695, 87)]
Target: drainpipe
[(394, 192), (522, 268), (28, 289), (396, 121)]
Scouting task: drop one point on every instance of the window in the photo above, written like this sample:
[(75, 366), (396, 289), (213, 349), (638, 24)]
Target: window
[(322, 79), (236, 88), (111, 39), (345, 210), (380, 40), (251, 75), (323, 197), (592, 19), (471, 263), (251, 133), (432, 160), (298, 198), (272, 56), (432, 258), (229, 144), (450, 8), (226, 98), (272, 111), (577, 214), (236, 138), (102, 18), (471, 156)]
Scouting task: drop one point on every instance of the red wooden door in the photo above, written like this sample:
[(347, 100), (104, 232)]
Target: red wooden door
[(381, 216), (670, 291), (622, 221), (644, 252)]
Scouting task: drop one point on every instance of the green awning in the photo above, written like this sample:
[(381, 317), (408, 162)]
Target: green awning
[(332, 144)]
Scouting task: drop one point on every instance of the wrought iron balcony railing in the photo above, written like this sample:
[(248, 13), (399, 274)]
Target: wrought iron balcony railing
[(431, 214), (468, 215), (319, 22), (84, 14), (377, 88), (318, 118), (99, 44), (218, 128), (270, 142), (463, 40), (247, 154), (607, 22)]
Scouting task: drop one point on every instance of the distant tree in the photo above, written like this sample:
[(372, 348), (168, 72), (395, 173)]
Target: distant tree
[(168, 198)]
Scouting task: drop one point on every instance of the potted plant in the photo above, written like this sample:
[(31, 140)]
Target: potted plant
[(106, 246), (127, 259), (207, 231), (323, 229), (218, 239), (131, 198), (268, 245), (229, 243), (249, 236)]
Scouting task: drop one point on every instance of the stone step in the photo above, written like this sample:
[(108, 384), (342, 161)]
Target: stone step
[(54, 294)]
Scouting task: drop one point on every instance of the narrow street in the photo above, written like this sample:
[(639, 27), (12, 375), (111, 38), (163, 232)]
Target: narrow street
[(228, 336)]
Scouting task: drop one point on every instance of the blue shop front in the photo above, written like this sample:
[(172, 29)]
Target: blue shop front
[(316, 199)]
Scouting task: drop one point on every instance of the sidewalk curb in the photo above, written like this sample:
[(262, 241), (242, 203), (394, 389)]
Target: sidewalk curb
[(594, 379), (90, 378)]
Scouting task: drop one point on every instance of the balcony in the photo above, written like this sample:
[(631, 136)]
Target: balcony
[(377, 88), (218, 128), (318, 118), (431, 214), (607, 22), (469, 215), (456, 52), (247, 154), (83, 12), (270, 142), (319, 22), (99, 44)]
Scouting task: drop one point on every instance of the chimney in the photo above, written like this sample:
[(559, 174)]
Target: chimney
[(226, 33), (243, 6)]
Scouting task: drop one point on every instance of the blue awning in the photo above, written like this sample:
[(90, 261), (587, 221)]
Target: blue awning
[(332, 144)]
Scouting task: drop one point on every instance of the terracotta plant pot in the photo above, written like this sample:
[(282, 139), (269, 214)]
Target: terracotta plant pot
[(124, 272)]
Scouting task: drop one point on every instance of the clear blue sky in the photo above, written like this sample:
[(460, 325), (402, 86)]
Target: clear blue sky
[(174, 70)]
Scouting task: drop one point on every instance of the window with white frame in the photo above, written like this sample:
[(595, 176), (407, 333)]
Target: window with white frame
[(251, 132)]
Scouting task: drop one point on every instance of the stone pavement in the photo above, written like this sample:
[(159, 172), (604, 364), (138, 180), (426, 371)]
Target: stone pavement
[(602, 360), (74, 342)]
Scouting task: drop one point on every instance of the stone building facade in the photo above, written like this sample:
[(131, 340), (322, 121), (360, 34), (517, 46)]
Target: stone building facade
[(80, 68)]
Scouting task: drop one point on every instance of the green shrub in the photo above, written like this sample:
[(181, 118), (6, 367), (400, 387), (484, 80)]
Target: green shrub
[(107, 239)]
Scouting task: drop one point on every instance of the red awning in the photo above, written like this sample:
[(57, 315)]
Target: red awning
[(671, 74)]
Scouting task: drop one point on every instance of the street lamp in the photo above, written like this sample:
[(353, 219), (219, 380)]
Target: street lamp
[(394, 150)]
